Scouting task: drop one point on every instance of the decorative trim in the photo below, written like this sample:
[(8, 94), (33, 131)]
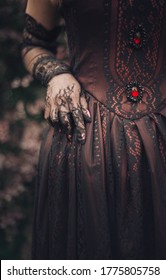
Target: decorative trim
[(46, 67), (134, 91), (137, 37)]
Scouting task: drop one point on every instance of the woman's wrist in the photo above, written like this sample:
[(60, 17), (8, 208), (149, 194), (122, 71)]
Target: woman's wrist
[(47, 67)]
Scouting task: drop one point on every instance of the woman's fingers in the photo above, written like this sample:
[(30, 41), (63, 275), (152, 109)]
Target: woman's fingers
[(65, 119), (64, 115), (79, 122), (70, 129), (51, 107), (67, 104), (54, 113), (46, 111), (84, 107)]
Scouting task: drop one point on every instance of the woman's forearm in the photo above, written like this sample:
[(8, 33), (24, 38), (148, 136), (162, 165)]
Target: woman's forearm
[(38, 51)]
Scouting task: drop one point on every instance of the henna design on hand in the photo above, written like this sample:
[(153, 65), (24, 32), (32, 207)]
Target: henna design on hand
[(71, 105)]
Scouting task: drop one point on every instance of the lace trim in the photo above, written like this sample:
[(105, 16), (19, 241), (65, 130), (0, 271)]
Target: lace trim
[(144, 69), (39, 31), (46, 67), (30, 41), (36, 35)]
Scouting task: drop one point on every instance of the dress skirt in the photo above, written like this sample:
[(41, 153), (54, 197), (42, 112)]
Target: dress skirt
[(105, 199)]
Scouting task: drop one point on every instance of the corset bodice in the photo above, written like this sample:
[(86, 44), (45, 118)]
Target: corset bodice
[(118, 52)]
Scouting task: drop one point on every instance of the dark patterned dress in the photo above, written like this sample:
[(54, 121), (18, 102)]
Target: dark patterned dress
[(106, 199)]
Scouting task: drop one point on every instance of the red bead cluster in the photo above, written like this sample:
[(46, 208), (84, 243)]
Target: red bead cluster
[(134, 91), (137, 37), (137, 40)]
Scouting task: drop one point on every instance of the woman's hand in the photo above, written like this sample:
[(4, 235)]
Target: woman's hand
[(65, 102)]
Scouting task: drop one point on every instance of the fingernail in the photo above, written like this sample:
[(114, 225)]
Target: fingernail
[(89, 119), (87, 116), (81, 138), (88, 113)]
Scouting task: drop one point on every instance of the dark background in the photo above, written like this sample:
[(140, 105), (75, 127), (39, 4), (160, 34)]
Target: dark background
[(21, 127)]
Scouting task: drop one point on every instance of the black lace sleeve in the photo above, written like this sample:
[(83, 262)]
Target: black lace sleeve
[(40, 32), (35, 35)]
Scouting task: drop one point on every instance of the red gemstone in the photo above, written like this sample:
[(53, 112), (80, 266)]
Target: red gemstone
[(134, 92), (137, 41)]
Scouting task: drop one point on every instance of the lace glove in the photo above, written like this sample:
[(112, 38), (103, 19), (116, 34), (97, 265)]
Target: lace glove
[(65, 102)]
